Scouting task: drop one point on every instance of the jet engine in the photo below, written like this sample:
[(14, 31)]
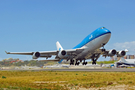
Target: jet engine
[(121, 53), (62, 54), (112, 52), (36, 55)]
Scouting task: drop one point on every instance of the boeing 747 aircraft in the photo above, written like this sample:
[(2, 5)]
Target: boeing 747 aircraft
[(90, 48)]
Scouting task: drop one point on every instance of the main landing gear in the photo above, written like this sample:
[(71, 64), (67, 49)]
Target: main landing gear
[(72, 62), (76, 62), (84, 63)]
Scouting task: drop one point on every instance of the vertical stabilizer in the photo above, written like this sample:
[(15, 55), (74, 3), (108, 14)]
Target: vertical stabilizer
[(122, 60), (59, 47)]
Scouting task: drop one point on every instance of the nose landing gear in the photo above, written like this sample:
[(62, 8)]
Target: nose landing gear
[(103, 49), (94, 61), (94, 58)]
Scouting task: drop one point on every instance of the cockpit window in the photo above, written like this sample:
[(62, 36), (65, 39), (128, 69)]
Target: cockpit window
[(102, 27)]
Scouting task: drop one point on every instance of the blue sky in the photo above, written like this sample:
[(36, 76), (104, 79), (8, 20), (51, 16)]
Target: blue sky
[(36, 25)]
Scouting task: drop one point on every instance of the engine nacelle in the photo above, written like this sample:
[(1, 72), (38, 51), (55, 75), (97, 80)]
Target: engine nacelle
[(112, 52), (36, 55), (121, 53), (62, 54)]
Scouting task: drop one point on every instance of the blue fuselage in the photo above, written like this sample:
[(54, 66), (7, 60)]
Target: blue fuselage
[(93, 41)]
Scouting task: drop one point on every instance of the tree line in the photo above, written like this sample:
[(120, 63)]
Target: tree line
[(26, 62)]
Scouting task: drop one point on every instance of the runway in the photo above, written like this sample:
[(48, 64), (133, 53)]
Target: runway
[(81, 70), (96, 70)]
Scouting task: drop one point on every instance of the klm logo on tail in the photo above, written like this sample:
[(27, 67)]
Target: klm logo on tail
[(59, 49)]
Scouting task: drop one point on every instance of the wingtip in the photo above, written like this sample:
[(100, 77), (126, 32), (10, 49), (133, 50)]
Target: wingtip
[(7, 52)]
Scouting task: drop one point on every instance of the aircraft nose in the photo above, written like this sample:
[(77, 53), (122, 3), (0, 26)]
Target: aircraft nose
[(107, 35), (105, 30)]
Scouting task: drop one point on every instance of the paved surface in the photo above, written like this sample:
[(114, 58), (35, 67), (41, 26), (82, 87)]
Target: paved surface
[(88, 70), (96, 70)]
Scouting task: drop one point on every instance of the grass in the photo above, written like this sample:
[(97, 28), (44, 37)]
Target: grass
[(106, 62), (55, 80)]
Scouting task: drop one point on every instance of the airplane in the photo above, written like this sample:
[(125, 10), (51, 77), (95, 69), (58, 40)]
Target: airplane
[(123, 62), (91, 47)]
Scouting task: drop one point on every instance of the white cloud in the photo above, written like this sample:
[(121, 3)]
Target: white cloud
[(126, 45)]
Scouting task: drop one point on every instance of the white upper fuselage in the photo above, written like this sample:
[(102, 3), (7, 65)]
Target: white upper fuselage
[(93, 41)]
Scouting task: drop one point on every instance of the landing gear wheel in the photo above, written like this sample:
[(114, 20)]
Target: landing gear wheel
[(77, 63), (71, 62), (85, 63), (94, 62), (103, 50)]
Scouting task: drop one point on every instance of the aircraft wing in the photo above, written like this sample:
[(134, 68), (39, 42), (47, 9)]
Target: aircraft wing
[(47, 54), (106, 53), (111, 52), (21, 53), (31, 53)]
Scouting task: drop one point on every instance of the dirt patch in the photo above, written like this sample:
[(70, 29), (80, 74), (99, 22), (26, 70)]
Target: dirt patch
[(42, 82), (117, 87)]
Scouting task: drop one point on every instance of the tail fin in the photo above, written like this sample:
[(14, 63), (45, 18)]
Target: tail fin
[(59, 47), (122, 60)]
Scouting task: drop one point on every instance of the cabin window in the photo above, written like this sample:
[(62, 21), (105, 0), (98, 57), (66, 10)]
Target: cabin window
[(102, 28)]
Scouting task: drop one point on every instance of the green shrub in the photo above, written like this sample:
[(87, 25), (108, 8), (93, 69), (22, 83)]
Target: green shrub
[(3, 77)]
